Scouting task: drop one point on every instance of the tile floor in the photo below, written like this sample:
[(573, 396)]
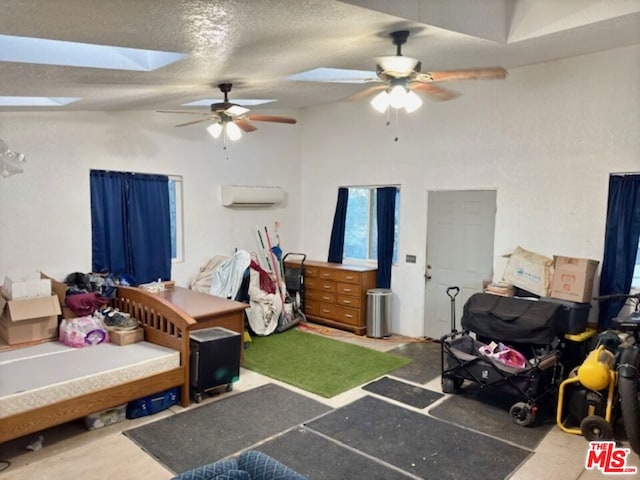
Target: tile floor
[(69, 451)]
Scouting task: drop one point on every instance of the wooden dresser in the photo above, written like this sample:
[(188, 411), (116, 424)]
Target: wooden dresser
[(336, 294)]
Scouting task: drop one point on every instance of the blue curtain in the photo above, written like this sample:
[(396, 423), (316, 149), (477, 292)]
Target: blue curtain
[(620, 243), (336, 245), (130, 225), (386, 213)]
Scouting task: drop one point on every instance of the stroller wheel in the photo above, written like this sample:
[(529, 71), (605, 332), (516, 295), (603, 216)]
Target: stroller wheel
[(451, 384), (594, 427), (522, 414)]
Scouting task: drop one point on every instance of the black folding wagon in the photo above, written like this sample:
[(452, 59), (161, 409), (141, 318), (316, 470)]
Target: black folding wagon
[(525, 326)]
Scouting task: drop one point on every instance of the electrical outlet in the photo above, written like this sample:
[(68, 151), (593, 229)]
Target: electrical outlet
[(411, 259)]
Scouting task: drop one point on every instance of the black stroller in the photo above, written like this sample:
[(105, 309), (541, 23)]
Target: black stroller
[(294, 302), (532, 326)]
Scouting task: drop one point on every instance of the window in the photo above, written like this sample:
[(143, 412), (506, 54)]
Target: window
[(175, 206), (361, 238), (136, 223)]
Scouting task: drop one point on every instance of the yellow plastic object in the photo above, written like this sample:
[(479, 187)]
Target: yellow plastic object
[(582, 336), (594, 373), (597, 367)]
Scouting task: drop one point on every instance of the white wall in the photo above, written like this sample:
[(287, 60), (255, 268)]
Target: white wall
[(546, 138), (44, 212)]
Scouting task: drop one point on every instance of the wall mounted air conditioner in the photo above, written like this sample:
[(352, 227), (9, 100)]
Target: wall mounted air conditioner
[(251, 196)]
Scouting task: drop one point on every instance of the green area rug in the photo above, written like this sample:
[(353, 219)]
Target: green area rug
[(317, 364)]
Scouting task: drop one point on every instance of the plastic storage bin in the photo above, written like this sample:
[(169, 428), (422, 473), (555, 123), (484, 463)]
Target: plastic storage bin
[(574, 315)]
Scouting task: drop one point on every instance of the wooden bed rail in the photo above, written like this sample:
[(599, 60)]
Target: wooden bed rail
[(164, 324)]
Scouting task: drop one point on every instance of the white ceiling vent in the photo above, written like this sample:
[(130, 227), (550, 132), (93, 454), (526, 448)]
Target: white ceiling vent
[(251, 196)]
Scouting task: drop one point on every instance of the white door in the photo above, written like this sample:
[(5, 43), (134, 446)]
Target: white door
[(460, 230)]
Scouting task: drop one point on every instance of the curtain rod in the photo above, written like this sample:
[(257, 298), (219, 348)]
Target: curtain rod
[(371, 186), (622, 174)]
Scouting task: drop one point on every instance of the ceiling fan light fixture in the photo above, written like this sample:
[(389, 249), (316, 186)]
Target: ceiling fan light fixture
[(397, 65), (381, 102), (412, 102), (397, 96), (215, 129), (233, 131)]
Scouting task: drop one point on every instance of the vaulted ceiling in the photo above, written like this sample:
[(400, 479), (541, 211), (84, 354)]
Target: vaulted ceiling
[(256, 44)]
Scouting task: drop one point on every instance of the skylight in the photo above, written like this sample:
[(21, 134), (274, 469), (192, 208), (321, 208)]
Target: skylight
[(36, 101), (247, 102), (73, 54), (337, 75)]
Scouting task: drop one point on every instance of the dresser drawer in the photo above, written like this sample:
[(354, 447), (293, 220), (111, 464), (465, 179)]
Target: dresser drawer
[(320, 285), (320, 296), (346, 276), (311, 307), (311, 272), (350, 316), (347, 301), (347, 289), (326, 274)]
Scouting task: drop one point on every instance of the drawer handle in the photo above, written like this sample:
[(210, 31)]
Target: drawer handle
[(326, 298), (346, 301), (326, 286), (325, 275), (324, 310), (348, 315), (350, 277), (346, 290)]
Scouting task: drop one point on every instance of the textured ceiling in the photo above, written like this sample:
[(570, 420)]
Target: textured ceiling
[(257, 43)]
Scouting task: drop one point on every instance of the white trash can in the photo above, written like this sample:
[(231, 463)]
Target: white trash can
[(379, 312)]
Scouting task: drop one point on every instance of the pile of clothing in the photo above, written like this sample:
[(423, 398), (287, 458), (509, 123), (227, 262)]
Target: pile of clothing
[(87, 292)]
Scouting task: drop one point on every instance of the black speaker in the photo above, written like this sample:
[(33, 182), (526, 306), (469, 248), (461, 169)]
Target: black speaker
[(214, 360)]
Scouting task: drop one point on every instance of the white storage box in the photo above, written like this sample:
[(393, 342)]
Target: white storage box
[(26, 288)]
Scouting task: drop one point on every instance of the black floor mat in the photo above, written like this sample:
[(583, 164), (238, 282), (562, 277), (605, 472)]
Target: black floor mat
[(426, 363), (320, 458), (488, 411), (218, 429), (416, 443), (403, 392)]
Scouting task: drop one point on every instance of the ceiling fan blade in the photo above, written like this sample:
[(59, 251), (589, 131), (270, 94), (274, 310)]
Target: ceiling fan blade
[(435, 92), (334, 75), (195, 121), (236, 110), (183, 112), (271, 118), (366, 93), (244, 125), (463, 74)]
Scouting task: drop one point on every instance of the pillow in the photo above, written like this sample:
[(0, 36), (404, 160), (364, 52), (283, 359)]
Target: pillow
[(210, 471), (233, 475), (262, 467)]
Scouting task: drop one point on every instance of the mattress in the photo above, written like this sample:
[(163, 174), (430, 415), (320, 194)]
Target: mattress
[(44, 374)]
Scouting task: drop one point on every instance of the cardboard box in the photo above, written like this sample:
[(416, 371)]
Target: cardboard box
[(126, 337), (60, 289), (29, 319), (573, 278), (529, 271), (26, 288)]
